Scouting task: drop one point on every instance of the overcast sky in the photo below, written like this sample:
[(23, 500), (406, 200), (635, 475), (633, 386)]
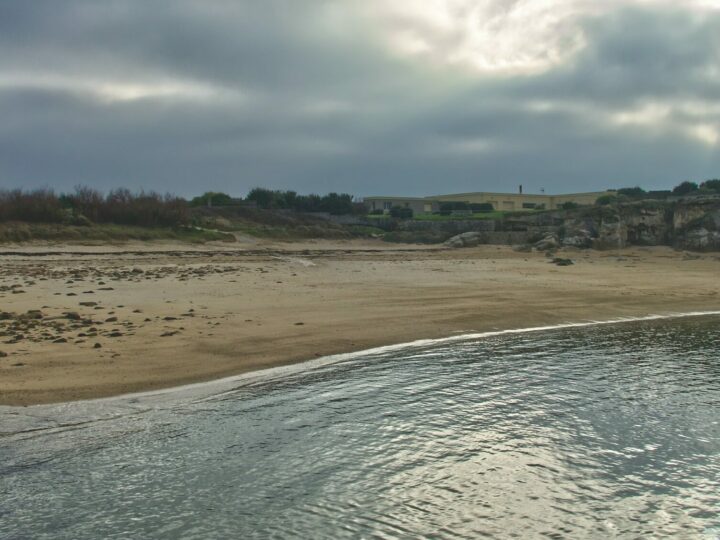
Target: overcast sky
[(406, 97)]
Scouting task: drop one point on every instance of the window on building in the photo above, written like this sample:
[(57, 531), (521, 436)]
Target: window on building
[(387, 205), (529, 205)]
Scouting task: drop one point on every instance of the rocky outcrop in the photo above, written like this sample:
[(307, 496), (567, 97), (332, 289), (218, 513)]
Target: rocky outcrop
[(696, 226), (468, 239), (690, 224), (701, 240), (549, 242), (612, 234)]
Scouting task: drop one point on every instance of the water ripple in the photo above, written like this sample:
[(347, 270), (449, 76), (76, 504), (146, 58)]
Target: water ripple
[(592, 432)]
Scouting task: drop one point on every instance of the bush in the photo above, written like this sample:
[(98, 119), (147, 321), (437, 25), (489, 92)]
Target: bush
[(447, 208), (401, 212), (605, 200), (633, 192), (333, 203), (38, 206), (711, 185), (212, 198), (569, 205), (86, 206), (482, 207), (684, 188)]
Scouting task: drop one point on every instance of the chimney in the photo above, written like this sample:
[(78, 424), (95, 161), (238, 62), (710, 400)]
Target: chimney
[(520, 189)]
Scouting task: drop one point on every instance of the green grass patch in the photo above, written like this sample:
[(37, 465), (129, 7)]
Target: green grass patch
[(497, 214)]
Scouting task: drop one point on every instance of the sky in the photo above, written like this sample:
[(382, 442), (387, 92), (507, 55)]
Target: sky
[(370, 97)]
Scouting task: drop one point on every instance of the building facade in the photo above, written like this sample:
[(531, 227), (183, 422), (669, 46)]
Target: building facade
[(511, 202)]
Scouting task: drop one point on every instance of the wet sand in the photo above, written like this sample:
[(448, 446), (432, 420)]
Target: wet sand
[(95, 321)]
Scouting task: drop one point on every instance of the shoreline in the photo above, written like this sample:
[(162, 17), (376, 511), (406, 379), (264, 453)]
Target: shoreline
[(330, 359), (228, 314)]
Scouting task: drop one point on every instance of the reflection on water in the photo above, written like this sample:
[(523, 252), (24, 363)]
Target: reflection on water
[(599, 432)]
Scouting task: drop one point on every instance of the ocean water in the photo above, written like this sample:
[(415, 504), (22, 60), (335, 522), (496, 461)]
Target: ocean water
[(609, 431)]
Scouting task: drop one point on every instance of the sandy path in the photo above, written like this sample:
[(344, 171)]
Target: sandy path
[(171, 316)]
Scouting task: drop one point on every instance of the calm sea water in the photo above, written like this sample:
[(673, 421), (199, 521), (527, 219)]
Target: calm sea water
[(599, 432)]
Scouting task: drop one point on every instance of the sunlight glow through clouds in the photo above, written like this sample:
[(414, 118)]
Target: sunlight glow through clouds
[(500, 37), (107, 91), (689, 119)]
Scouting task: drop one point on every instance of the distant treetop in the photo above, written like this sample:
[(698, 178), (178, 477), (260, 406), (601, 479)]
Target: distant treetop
[(212, 198), (685, 187)]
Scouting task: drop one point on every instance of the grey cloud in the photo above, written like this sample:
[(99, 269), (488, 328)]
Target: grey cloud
[(321, 105)]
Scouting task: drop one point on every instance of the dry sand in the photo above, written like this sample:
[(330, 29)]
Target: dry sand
[(167, 315)]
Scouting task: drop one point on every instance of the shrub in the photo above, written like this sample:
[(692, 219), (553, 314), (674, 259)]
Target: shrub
[(333, 203), (39, 206), (711, 185), (447, 208), (482, 207), (401, 212), (633, 192), (605, 200), (684, 188), (86, 205), (212, 198)]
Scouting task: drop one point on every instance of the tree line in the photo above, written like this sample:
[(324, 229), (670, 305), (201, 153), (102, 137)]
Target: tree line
[(708, 187), (270, 199), (332, 203), (85, 206)]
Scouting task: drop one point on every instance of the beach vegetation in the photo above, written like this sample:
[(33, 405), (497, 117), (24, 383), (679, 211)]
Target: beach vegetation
[(712, 186), (685, 188), (332, 203), (103, 233), (213, 198), (632, 192), (86, 206), (606, 200)]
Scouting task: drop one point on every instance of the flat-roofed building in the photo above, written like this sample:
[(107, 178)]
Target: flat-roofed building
[(419, 205), (500, 201)]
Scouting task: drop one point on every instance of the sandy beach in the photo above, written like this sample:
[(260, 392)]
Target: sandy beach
[(83, 322)]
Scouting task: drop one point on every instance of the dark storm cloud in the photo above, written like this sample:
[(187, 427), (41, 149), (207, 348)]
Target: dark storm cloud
[(186, 96)]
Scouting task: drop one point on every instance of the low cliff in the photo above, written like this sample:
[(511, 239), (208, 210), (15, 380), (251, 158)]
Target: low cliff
[(691, 224)]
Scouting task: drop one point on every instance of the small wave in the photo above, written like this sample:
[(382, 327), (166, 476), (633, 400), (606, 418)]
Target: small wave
[(199, 391)]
